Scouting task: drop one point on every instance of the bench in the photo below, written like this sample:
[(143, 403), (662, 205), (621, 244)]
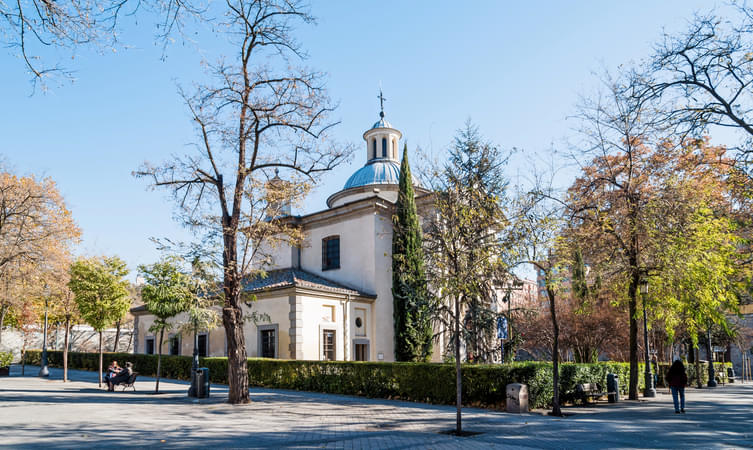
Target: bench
[(129, 382), (588, 391)]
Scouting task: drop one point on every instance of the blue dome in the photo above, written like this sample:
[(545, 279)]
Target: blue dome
[(379, 171), (382, 123)]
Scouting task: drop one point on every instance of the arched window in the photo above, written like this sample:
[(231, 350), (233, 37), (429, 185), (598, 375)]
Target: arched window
[(384, 147), (373, 146)]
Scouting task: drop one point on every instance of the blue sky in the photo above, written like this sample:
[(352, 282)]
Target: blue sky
[(515, 68)]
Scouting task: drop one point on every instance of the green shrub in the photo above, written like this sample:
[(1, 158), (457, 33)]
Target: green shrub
[(483, 385), (6, 358), (720, 368)]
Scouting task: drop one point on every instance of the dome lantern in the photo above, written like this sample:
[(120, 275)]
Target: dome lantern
[(381, 139)]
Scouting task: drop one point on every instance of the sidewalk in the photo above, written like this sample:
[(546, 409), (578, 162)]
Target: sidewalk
[(49, 413)]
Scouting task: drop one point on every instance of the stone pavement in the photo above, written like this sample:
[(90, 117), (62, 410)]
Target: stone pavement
[(49, 413)]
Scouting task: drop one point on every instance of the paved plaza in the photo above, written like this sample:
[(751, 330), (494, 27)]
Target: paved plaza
[(49, 413)]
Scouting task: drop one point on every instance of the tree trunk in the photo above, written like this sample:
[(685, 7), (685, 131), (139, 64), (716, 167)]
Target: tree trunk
[(632, 310), (65, 350), (710, 357), (117, 336), (100, 359), (458, 374), (3, 310), (698, 369), (232, 319), (556, 411), (23, 354), (130, 340), (159, 359)]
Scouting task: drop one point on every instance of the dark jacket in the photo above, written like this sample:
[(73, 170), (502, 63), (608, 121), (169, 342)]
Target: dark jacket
[(676, 377), (122, 376)]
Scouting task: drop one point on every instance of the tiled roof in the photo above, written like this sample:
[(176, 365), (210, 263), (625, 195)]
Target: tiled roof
[(283, 278)]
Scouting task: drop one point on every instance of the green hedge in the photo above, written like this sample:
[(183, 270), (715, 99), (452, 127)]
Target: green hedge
[(6, 358), (483, 385), (721, 375)]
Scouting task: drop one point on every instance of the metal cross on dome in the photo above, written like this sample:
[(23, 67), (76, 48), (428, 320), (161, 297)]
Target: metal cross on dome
[(381, 102)]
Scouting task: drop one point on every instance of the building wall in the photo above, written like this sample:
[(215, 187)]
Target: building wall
[(278, 309), (356, 243), (384, 336)]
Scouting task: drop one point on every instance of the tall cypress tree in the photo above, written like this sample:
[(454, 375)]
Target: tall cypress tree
[(413, 330)]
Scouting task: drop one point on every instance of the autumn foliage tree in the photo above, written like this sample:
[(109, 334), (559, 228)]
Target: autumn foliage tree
[(36, 230), (261, 114)]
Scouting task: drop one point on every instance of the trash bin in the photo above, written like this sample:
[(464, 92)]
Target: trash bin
[(613, 388), (730, 375), (517, 398), (201, 378)]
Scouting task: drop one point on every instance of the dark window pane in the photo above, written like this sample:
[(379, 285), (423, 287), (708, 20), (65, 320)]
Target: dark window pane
[(203, 345), (330, 253), (175, 346), (361, 352), (384, 147), (150, 346), (328, 343), (373, 146), (268, 343)]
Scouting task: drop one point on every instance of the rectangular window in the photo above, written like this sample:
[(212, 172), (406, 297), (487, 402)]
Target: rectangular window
[(174, 345), (361, 352), (267, 344), (149, 346), (331, 253), (203, 345), (328, 345)]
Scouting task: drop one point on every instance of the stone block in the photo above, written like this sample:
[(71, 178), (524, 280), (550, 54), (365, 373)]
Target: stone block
[(517, 398)]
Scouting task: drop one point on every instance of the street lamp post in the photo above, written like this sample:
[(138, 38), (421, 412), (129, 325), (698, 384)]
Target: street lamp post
[(712, 380), (44, 371), (649, 390)]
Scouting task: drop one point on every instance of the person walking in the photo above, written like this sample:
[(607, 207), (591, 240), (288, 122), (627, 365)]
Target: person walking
[(678, 379)]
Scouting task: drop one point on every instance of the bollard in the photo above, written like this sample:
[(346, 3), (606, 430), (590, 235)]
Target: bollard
[(517, 398)]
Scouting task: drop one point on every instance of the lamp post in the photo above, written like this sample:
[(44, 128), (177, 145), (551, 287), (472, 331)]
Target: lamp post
[(709, 348), (44, 371), (649, 390)]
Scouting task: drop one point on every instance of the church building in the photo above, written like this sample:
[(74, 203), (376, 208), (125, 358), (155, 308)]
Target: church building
[(330, 299)]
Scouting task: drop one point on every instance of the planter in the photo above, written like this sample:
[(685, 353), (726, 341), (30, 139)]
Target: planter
[(4, 371)]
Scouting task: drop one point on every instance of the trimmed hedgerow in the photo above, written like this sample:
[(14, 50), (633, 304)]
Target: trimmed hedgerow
[(6, 358), (483, 385), (721, 375)]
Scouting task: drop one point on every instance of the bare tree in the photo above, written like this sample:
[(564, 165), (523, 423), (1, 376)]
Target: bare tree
[(704, 77), (261, 115), (30, 26)]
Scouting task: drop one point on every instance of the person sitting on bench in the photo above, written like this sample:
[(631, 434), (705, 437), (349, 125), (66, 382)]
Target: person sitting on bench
[(112, 370), (121, 377)]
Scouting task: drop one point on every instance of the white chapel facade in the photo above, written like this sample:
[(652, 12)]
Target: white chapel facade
[(330, 299)]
